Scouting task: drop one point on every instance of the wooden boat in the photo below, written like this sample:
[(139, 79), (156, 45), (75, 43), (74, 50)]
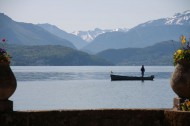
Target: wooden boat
[(119, 77)]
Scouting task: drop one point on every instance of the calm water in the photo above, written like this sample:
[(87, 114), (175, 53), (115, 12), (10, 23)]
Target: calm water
[(90, 87)]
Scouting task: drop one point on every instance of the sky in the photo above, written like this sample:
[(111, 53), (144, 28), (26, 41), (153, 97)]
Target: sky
[(75, 15)]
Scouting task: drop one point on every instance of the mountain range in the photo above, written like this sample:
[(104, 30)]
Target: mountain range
[(90, 35), (75, 40), (158, 54), (32, 44), (143, 35), (56, 55), (28, 34)]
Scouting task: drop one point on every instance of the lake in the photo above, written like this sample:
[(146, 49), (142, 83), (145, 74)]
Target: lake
[(90, 87)]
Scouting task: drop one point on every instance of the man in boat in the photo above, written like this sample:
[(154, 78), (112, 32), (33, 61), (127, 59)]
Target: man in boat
[(142, 70)]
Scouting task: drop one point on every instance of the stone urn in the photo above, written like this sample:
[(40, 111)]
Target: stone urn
[(180, 80), (8, 82)]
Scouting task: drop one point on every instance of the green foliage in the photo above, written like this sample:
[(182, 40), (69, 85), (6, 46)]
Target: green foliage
[(185, 106), (52, 55), (182, 56), (4, 55)]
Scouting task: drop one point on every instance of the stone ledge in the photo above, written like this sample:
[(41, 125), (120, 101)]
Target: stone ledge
[(97, 117)]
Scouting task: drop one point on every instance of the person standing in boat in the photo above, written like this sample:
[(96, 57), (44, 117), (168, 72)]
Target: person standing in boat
[(142, 70)]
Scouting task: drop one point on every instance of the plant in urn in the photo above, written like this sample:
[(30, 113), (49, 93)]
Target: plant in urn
[(7, 79), (180, 80)]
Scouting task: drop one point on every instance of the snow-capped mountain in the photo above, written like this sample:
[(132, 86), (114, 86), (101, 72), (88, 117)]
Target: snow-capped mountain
[(177, 19), (145, 34), (90, 35)]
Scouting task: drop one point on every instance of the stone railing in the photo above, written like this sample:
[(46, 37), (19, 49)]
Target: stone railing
[(98, 117)]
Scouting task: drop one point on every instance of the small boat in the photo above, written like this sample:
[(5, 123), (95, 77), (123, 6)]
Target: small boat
[(120, 77)]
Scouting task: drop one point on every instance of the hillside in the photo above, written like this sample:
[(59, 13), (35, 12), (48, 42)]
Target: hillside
[(158, 54), (28, 34), (75, 40), (54, 55), (145, 34)]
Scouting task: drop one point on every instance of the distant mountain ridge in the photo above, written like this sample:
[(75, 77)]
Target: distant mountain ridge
[(28, 34), (75, 40), (90, 35), (52, 55), (158, 54), (143, 35), (177, 19)]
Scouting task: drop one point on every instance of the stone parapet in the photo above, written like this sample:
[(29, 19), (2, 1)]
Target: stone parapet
[(97, 117), (6, 105)]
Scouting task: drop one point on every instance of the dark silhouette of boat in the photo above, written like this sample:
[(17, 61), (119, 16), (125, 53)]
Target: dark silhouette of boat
[(120, 77)]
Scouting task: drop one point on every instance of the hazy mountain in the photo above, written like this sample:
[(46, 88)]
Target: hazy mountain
[(77, 41), (158, 54), (145, 34), (55, 55), (92, 34), (28, 34)]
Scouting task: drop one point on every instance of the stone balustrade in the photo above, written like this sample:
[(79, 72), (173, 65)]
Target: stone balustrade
[(97, 117)]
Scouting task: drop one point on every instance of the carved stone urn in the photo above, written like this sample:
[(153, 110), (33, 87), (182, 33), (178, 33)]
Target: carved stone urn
[(180, 80), (8, 82)]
